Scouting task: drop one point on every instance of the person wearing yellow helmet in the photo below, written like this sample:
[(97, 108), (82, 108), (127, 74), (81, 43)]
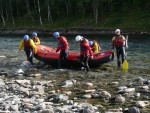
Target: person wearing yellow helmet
[(29, 47), (119, 43)]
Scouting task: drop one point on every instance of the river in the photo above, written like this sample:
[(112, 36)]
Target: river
[(138, 57), (137, 54)]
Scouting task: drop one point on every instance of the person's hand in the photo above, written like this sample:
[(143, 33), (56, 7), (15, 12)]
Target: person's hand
[(92, 57), (35, 52)]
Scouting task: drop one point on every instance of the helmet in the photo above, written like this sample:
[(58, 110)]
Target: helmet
[(34, 34), (117, 32), (56, 34), (26, 37), (78, 38), (90, 43)]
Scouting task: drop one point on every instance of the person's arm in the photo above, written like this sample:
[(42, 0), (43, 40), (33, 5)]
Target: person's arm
[(112, 44), (58, 48), (33, 45), (38, 41), (124, 41), (21, 45), (127, 41)]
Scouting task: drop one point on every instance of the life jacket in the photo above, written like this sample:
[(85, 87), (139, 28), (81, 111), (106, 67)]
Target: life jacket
[(27, 44), (61, 44), (34, 39), (96, 42), (118, 41), (82, 47)]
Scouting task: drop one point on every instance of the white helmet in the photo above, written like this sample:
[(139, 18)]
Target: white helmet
[(78, 38), (117, 32)]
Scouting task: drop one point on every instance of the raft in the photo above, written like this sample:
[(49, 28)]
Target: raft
[(49, 56)]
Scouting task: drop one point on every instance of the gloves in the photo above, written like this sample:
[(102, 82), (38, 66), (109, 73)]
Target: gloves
[(92, 57)]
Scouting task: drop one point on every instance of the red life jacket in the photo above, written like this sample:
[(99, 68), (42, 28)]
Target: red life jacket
[(27, 44), (63, 43), (118, 41), (85, 47), (82, 47)]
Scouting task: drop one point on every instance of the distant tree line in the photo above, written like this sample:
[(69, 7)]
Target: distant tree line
[(51, 10)]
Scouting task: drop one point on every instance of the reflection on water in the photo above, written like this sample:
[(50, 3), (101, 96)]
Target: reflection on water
[(137, 54)]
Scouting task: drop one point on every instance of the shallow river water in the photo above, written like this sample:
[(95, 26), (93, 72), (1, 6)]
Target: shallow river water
[(138, 56), (138, 53)]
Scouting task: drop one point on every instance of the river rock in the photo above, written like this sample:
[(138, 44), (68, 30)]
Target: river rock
[(88, 109), (120, 99), (47, 111), (134, 110), (114, 111), (105, 94), (89, 85), (114, 83), (87, 96), (2, 83), (142, 104), (137, 95), (127, 90), (68, 83), (122, 87)]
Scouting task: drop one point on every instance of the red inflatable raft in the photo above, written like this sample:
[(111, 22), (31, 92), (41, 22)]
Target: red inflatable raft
[(49, 56)]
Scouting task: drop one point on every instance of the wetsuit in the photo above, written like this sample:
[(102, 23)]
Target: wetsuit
[(119, 42), (85, 50), (63, 48)]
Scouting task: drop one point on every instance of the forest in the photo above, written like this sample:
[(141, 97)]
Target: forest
[(52, 14)]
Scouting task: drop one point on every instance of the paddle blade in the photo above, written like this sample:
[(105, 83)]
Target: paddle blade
[(125, 65)]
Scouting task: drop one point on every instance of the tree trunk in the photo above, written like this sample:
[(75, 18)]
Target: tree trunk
[(11, 13), (6, 14), (96, 15), (49, 12), (39, 10), (2, 16), (67, 6), (95, 8)]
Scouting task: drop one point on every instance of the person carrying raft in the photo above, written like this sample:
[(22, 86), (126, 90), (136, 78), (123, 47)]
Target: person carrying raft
[(63, 47), (35, 38), (29, 47), (85, 50)]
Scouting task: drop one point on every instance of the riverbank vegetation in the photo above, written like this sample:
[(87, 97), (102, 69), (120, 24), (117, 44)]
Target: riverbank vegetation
[(54, 14)]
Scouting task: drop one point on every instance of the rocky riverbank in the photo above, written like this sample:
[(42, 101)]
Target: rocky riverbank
[(48, 90), (68, 31)]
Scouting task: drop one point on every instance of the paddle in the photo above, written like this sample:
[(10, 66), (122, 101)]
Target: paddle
[(125, 63)]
